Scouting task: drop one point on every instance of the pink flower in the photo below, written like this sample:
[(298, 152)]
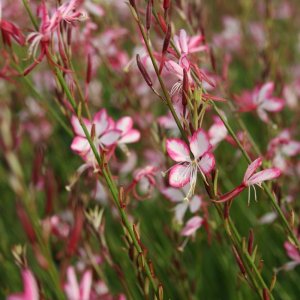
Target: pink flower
[(68, 12), (191, 226), (42, 37), (128, 134), (251, 178), (143, 182), (31, 291), (187, 45), (105, 135), (217, 132), (230, 37), (10, 31), (178, 196), (261, 100), (75, 291), (292, 252), (282, 147), (186, 169)]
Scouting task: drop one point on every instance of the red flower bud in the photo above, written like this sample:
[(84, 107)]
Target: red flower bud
[(143, 70)]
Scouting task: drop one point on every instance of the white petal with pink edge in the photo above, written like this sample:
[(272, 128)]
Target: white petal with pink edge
[(199, 143), (131, 136), (178, 150), (207, 163), (174, 195), (124, 124), (77, 126), (180, 210), (264, 175), (183, 41), (195, 203), (252, 168), (262, 114), (110, 137), (85, 285), (72, 288), (80, 145), (179, 176), (273, 104), (101, 121), (191, 226), (265, 91), (291, 148)]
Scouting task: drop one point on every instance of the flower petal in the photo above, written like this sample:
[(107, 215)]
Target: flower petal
[(265, 91), (179, 176), (178, 150), (191, 226), (72, 288), (292, 251), (110, 137), (180, 210), (264, 175), (207, 163), (124, 124), (30, 286), (195, 203), (291, 148), (131, 136), (80, 145), (174, 195), (252, 168), (183, 41), (77, 126), (85, 285), (217, 132), (199, 143), (101, 121), (272, 104)]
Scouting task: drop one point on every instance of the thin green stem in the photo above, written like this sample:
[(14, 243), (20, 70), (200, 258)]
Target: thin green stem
[(32, 18)]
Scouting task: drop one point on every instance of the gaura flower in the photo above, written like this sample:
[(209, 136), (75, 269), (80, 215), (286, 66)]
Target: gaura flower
[(178, 196), (261, 100), (106, 135), (143, 182), (69, 13), (31, 291), (128, 133), (75, 291), (281, 148), (186, 169), (187, 45), (251, 179), (217, 132), (191, 226)]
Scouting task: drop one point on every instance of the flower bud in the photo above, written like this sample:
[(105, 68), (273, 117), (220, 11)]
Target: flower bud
[(143, 70)]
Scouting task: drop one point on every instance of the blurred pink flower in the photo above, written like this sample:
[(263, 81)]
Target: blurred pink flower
[(31, 291), (75, 291), (105, 135), (217, 132), (261, 100), (128, 134), (188, 45), (178, 196), (281, 148), (191, 226)]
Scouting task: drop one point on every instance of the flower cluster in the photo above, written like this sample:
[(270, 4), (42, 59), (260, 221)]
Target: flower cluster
[(105, 133)]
